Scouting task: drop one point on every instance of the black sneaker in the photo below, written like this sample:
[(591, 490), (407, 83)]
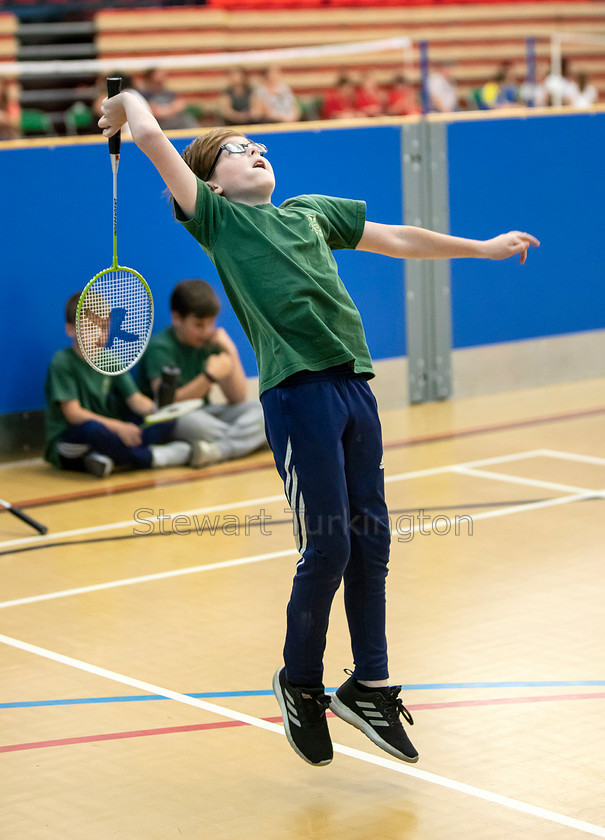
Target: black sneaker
[(304, 714), (98, 465), (376, 713)]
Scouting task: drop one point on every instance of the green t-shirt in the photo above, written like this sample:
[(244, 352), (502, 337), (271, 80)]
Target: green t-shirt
[(280, 275), (69, 377), (165, 350)]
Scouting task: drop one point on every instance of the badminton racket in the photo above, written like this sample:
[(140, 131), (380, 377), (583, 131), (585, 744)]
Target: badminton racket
[(42, 529), (172, 411), (114, 316)]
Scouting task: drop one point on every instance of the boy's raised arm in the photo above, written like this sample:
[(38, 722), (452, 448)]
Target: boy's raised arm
[(150, 138), (406, 241)]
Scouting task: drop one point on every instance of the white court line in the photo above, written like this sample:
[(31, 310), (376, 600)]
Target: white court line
[(571, 456), (242, 561), (545, 503), (133, 523), (499, 459), (114, 584), (136, 523), (493, 514), (407, 532), (518, 479), (389, 764)]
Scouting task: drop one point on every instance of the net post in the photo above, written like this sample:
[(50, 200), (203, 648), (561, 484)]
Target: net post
[(530, 57), (424, 77), (556, 66)]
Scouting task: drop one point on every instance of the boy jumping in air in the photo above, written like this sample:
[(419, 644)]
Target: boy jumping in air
[(321, 419)]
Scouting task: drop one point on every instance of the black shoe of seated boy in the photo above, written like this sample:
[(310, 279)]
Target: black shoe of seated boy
[(98, 465)]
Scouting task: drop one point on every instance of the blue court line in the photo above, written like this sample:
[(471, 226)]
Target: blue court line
[(206, 695)]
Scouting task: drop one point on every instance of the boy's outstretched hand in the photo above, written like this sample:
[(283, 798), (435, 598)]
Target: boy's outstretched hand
[(508, 244)]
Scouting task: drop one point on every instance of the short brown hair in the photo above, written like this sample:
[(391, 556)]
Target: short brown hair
[(71, 308), (199, 155), (195, 297)]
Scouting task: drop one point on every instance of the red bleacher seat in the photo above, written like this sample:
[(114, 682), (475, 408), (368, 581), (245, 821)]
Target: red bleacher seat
[(306, 4), (266, 4), (380, 3), (369, 3)]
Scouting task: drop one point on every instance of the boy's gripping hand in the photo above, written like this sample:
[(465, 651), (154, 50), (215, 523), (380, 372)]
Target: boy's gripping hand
[(114, 114), (125, 107), (508, 244)]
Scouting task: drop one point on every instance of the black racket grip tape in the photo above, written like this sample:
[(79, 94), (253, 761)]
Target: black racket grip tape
[(42, 529), (114, 86)]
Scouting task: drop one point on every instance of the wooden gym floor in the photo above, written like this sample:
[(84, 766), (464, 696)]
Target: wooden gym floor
[(136, 664)]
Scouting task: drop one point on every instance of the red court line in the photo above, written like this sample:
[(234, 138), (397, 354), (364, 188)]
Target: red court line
[(235, 469), (172, 730), (146, 484), (117, 736), (502, 701)]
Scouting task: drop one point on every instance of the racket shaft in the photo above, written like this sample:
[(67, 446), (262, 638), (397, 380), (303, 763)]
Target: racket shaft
[(24, 517)]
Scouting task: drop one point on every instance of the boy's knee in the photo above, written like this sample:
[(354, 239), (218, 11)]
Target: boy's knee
[(332, 554), (83, 432), (94, 433)]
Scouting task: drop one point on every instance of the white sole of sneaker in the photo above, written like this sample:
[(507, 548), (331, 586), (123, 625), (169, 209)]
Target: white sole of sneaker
[(344, 713), (284, 713)]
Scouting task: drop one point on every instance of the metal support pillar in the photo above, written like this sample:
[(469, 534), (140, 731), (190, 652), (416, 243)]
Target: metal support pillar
[(427, 282)]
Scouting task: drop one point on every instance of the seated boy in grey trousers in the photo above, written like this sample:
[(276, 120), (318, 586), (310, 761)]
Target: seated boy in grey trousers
[(206, 358)]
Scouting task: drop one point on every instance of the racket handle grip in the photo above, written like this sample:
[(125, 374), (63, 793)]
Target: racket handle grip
[(114, 86), (42, 529)]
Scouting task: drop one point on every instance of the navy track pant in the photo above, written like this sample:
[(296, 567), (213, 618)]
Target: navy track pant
[(77, 441), (326, 438)]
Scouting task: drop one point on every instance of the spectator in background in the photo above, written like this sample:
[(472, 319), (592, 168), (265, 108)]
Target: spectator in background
[(583, 94), (273, 99), (168, 107), (502, 91), (560, 87), (401, 98), (10, 110), (369, 99), (441, 89), (533, 94), (339, 102), (236, 102)]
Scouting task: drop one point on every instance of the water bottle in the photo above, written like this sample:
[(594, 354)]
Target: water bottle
[(167, 387)]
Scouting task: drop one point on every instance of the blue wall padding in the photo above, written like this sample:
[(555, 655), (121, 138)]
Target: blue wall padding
[(545, 175), (57, 232)]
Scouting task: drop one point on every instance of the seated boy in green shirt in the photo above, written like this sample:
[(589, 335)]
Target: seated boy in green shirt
[(88, 425), (205, 356)]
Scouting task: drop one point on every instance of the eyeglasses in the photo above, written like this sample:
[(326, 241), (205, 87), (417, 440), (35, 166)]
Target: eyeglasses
[(236, 149)]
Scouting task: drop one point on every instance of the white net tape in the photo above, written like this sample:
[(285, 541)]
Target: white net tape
[(249, 57)]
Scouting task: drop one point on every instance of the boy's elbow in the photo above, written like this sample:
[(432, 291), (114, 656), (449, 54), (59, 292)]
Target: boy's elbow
[(147, 135), (72, 412)]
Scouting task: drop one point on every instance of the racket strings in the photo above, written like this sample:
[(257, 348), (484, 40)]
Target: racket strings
[(114, 320)]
